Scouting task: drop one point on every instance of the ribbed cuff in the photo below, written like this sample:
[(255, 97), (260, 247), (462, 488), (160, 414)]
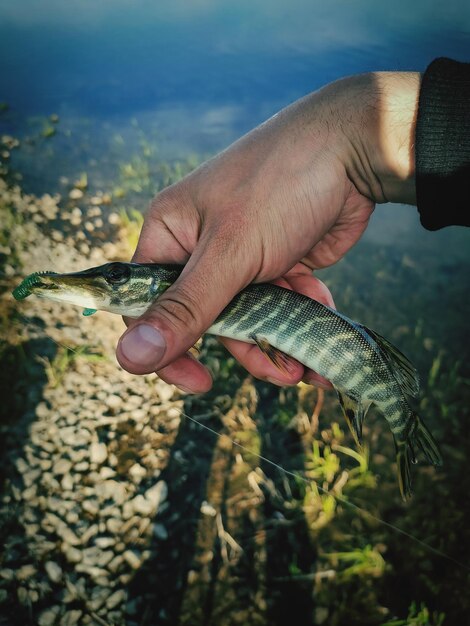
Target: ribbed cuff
[(443, 145)]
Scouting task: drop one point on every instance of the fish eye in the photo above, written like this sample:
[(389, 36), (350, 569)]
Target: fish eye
[(117, 273)]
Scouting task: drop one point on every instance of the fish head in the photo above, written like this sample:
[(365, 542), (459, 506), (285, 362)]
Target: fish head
[(123, 288)]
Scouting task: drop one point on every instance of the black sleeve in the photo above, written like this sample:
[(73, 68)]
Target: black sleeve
[(443, 145)]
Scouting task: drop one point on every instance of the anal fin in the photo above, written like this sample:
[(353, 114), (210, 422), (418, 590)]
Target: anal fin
[(354, 412), (277, 358)]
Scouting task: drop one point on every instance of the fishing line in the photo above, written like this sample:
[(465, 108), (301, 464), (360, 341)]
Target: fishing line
[(338, 498)]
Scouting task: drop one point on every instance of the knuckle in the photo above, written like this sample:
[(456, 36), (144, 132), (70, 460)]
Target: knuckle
[(180, 309)]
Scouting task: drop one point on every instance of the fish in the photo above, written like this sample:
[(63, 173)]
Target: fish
[(363, 367)]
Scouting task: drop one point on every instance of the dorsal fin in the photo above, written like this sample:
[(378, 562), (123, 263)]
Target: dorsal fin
[(403, 370)]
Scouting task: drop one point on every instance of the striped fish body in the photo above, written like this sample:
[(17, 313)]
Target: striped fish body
[(363, 366)]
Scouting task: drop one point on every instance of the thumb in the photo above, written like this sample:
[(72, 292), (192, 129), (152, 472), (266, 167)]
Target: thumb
[(211, 278)]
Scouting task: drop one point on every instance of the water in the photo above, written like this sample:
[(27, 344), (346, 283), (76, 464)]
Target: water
[(194, 75)]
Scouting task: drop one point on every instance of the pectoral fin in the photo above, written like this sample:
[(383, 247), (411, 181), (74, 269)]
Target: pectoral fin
[(354, 412), (277, 358), (87, 312)]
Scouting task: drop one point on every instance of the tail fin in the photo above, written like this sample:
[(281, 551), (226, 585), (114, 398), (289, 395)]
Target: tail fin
[(421, 437)]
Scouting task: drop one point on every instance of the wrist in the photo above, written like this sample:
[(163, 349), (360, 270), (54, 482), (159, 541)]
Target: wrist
[(380, 159)]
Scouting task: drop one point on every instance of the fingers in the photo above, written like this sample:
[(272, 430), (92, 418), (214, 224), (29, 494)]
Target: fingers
[(188, 374), (182, 313)]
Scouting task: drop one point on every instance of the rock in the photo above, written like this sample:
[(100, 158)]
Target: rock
[(320, 615), (62, 466), (142, 506), (83, 466), (67, 482), (105, 542), (75, 194), (157, 494), (114, 525), (160, 532), (114, 403), (208, 509), (73, 555), (68, 536), (90, 532), (97, 557), (137, 472), (54, 571), (112, 489), (98, 453), (115, 564), (106, 472), (116, 598), (25, 572), (132, 559), (71, 618), (91, 506), (7, 574), (49, 616), (21, 466), (23, 596), (165, 392)]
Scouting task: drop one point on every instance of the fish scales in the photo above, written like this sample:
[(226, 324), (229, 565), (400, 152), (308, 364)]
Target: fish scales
[(330, 337), (363, 366)]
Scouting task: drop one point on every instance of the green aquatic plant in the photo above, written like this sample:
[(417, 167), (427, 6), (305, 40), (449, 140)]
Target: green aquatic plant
[(48, 131), (418, 616), (57, 368), (366, 561), (131, 223)]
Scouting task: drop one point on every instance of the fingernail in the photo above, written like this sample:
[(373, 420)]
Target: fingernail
[(279, 383), (143, 345), (185, 389)]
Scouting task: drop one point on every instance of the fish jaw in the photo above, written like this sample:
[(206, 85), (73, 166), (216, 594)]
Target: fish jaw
[(69, 288), (122, 288)]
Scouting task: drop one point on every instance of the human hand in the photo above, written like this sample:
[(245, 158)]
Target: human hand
[(291, 196)]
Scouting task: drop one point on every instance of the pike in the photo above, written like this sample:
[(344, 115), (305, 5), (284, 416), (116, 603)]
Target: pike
[(363, 367)]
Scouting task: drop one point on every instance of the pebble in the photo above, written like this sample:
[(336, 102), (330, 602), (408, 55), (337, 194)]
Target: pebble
[(132, 559), (165, 392), (48, 617), (112, 489), (53, 570), (105, 542), (114, 525), (75, 194), (208, 509), (73, 555), (98, 453), (67, 482), (113, 402), (25, 572), (70, 618), (137, 472), (157, 494), (160, 532), (116, 598), (63, 466)]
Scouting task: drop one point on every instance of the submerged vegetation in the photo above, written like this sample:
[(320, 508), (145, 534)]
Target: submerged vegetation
[(270, 504)]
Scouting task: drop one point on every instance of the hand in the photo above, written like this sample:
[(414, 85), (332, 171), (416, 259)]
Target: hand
[(293, 195)]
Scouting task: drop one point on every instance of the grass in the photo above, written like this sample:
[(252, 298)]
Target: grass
[(63, 361)]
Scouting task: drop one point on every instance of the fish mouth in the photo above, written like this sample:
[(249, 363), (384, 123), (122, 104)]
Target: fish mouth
[(33, 282)]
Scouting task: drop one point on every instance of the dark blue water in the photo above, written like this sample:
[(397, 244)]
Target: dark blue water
[(203, 72)]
